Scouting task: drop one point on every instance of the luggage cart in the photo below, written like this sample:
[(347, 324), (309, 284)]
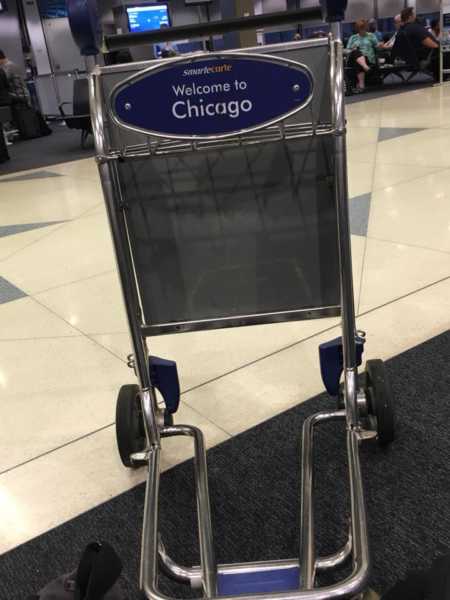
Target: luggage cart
[(228, 206)]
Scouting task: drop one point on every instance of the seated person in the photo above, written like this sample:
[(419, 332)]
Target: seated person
[(373, 28), (420, 39), (435, 29), (389, 44), (5, 96), (363, 46), (17, 86)]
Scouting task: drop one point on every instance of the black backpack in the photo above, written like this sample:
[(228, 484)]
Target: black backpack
[(96, 578)]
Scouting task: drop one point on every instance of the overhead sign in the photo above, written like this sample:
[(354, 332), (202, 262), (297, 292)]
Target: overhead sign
[(217, 96)]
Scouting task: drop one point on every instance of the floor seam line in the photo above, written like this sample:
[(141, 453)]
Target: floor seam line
[(377, 239), (434, 172), (363, 262), (203, 416), (49, 337), (83, 334), (407, 295), (53, 450), (49, 233), (61, 285), (46, 235)]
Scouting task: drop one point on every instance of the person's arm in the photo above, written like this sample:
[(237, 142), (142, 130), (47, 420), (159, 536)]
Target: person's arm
[(390, 43), (376, 43), (429, 42), (351, 42), (426, 39)]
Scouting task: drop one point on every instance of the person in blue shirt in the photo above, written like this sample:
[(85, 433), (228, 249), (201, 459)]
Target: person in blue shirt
[(373, 28)]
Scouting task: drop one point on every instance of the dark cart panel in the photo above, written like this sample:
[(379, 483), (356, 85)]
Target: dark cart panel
[(238, 232)]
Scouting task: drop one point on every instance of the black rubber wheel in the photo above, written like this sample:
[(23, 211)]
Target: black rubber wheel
[(379, 396), (130, 432)]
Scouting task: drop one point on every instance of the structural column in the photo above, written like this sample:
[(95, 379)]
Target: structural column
[(238, 8)]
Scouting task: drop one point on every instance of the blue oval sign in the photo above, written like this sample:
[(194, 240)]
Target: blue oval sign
[(217, 96)]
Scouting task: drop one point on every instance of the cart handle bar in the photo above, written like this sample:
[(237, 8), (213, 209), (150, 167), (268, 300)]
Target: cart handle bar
[(126, 40)]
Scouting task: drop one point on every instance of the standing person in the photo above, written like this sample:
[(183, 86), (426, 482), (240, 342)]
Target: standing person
[(363, 45), (421, 40)]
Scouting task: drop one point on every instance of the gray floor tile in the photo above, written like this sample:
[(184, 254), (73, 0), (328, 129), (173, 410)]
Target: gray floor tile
[(9, 292), (20, 228), (359, 214), (36, 175), (389, 133)]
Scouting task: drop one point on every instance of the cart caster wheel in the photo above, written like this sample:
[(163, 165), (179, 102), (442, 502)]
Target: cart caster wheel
[(380, 401), (130, 432)]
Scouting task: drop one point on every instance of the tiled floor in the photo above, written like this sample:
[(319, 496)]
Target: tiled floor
[(63, 335)]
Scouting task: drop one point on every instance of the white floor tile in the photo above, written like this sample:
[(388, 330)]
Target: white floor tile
[(361, 136), (76, 251), (360, 178), (80, 169), (364, 114), (388, 175), (10, 244), (92, 305), (363, 154), (54, 391), (50, 199), (25, 318), (244, 398), (81, 476), (392, 270), (408, 322), (427, 107), (427, 148), (415, 213)]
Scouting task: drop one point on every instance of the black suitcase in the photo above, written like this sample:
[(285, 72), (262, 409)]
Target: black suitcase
[(27, 121), (4, 156)]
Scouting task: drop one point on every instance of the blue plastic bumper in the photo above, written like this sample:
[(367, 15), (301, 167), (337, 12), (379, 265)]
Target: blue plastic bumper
[(275, 580)]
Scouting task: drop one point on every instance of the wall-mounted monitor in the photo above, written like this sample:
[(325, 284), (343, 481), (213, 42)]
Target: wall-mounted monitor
[(147, 17)]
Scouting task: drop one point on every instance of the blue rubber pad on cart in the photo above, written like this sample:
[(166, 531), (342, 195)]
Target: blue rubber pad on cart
[(164, 377), (276, 580), (332, 362)]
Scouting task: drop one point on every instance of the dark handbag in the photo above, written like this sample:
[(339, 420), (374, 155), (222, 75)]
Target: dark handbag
[(95, 579)]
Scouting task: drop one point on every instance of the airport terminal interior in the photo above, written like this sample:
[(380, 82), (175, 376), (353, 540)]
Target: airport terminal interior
[(65, 344)]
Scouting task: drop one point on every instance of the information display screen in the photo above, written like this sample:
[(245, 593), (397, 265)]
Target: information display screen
[(148, 18)]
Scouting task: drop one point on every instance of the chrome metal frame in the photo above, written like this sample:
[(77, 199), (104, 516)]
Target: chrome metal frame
[(153, 553)]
